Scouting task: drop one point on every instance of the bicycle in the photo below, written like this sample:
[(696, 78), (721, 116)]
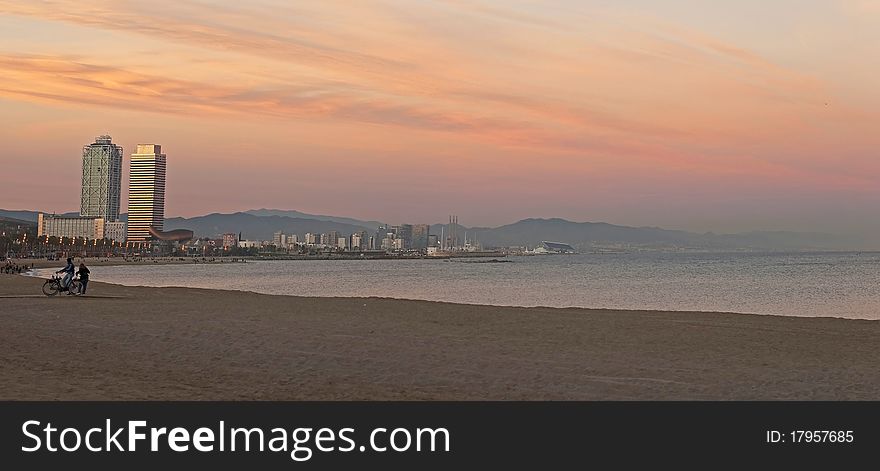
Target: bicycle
[(52, 286)]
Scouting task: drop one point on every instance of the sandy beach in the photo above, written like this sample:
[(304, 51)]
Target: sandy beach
[(179, 343)]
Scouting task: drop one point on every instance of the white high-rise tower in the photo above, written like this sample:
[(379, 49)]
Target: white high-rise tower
[(146, 192)]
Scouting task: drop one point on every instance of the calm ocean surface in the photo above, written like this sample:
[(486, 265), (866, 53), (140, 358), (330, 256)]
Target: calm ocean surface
[(797, 284)]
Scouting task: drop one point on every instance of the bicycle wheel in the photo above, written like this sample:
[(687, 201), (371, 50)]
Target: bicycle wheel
[(73, 287), (50, 288)]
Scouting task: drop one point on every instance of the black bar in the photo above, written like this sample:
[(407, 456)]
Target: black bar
[(514, 435)]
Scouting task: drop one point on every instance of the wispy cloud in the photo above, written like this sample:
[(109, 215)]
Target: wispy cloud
[(68, 80), (635, 92)]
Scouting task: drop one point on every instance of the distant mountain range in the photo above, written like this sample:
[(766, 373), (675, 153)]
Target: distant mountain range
[(261, 224), (586, 235), (29, 216), (297, 214)]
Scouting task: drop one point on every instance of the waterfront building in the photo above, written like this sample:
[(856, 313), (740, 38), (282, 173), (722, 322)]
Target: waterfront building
[(332, 239), (382, 233), (359, 241), (420, 236), (230, 240), (50, 225), (279, 239), (146, 192), (355, 243), (404, 233), (115, 231), (388, 242), (101, 180), (433, 240)]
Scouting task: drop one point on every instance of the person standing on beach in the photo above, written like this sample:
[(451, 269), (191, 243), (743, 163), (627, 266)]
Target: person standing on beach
[(83, 278), (68, 271)]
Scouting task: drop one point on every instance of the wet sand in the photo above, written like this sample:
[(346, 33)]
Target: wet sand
[(194, 344), (111, 261)]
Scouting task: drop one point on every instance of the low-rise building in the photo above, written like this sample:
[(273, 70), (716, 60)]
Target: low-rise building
[(51, 225), (279, 239), (249, 244), (230, 240), (115, 231), (357, 241)]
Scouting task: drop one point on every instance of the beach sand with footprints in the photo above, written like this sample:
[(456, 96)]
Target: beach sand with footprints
[(141, 343)]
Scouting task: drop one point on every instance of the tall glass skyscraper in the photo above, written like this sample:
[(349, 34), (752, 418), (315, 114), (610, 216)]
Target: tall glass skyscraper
[(146, 192), (101, 179)]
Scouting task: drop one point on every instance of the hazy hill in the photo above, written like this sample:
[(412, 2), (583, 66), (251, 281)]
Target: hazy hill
[(530, 232), (368, 225), (256, 227), (29, 216)]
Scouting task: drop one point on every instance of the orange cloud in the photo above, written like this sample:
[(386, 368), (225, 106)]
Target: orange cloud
[(64, 79), (649, 92)]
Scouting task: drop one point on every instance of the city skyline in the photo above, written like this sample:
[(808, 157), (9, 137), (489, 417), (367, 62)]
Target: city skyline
[(686, 115)]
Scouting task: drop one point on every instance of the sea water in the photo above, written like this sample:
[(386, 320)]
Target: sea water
[(793, 284)]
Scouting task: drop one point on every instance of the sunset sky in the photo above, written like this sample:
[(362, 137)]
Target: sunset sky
[(723, 116)]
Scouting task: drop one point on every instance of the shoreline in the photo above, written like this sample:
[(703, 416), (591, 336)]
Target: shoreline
[(451, 303), (200, 344), (42, 263)]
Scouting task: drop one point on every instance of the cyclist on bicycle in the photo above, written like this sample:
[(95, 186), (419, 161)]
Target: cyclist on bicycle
[(68, 271)]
